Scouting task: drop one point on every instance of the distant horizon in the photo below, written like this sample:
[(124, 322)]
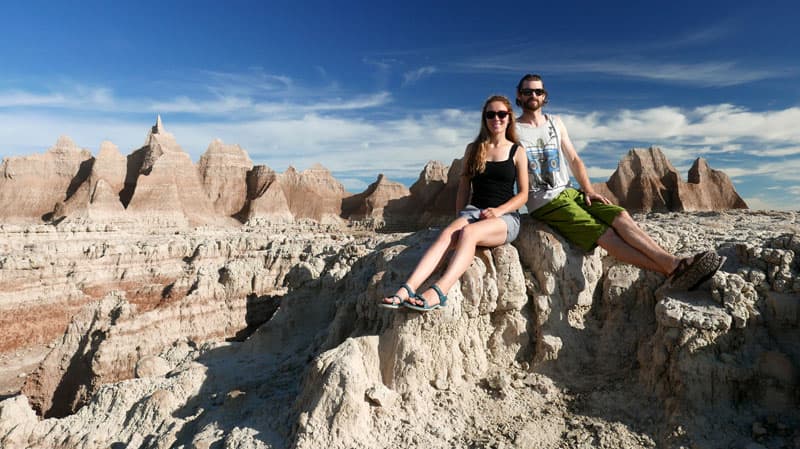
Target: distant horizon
[(384, 87)]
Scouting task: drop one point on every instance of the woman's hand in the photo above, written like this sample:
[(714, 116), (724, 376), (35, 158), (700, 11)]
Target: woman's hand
[(490, 212)]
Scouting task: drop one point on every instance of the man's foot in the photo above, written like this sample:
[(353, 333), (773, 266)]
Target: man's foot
[(691, 272), (397, 300)]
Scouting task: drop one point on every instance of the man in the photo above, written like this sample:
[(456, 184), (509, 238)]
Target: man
[(585, 217)]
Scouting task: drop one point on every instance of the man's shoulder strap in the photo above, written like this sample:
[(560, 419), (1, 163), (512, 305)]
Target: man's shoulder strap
[(552, 124)]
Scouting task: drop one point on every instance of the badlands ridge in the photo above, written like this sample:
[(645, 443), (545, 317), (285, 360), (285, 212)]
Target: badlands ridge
[(151, 303)]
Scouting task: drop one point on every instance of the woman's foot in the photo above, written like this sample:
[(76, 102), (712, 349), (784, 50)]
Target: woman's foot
[(430, 299), (403, 294)]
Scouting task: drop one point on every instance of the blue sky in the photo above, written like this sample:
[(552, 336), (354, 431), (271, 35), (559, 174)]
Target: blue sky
[(383, 87)]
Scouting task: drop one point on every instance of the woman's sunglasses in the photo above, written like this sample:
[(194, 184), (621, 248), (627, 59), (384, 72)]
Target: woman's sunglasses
[(490, 115)]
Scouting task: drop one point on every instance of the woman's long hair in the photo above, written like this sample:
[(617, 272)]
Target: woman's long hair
[(476, 155)]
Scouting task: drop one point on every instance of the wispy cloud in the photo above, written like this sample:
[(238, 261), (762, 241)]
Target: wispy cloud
[(702, 74), (74, 96), (248, 107), (418, 74), (344, 132)]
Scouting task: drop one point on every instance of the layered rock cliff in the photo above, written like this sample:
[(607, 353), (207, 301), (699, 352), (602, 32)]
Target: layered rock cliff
[(541, 345)]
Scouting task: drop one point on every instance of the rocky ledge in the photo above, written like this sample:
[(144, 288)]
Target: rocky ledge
[(273, 339)]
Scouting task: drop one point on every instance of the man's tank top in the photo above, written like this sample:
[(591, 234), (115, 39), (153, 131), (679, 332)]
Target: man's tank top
[(495, 185), (548, 170)]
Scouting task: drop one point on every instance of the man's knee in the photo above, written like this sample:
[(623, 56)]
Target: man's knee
[(623, 218), (608, 238)]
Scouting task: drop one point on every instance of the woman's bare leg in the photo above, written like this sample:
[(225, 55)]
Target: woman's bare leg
[(489, 232), (432, 258)]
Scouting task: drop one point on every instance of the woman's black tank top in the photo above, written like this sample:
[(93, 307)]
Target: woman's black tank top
[(495, 185)]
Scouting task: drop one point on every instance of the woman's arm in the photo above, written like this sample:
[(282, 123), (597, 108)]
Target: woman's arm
[(464, 185)]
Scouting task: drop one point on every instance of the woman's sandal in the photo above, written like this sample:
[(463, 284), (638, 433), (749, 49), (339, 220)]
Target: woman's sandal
[(397, 301), (425, 307)]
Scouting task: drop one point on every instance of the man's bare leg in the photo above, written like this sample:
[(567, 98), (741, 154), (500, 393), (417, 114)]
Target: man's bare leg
[(626, 241)]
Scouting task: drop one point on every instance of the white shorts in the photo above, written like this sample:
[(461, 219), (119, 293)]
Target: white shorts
[(511, 219)]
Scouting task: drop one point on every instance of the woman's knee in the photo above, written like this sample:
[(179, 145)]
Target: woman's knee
[(450, 234)]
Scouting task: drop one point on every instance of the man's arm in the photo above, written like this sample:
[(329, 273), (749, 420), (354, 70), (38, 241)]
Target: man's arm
[(577, 167)]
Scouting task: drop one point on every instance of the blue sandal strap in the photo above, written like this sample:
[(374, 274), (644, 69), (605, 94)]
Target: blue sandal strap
[(442, 296)]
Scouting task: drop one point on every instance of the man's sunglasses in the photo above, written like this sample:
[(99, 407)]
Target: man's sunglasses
[(529, 92), (490, 115)]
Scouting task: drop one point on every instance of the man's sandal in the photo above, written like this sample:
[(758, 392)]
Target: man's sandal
[(425, 307), (691, 273), (397, 301)]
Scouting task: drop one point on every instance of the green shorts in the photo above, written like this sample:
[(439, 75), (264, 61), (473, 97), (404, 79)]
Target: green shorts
[(571, 217)]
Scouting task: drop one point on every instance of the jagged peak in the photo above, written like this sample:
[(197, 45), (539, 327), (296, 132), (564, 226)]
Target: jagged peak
[(158, 134), (317, 167), (107, 148), (158, 128), (65, 142)]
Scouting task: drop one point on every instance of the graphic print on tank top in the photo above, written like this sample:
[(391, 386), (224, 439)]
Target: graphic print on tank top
[(543, 160)]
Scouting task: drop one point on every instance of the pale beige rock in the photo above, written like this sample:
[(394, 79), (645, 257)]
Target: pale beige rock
[(223, 171), (646, 181), (163, 186), (383, 202), (708, 189), (313, 194), (311, 375), (98, 197), (266, 198), (30, 187)]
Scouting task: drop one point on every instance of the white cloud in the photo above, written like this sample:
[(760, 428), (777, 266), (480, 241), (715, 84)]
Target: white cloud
[(73, 97), (343, 133), (248, 107), (416, 75), (703, 74), (16, 98), (597, 173)]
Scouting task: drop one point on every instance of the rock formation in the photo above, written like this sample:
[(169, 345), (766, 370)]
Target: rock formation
[(541, 345), (162, 185), (97, 197), (646, 181), (223, 170), (268, 334), (708, 189), (266, 200), (313, 194), (434, 182), (31, 186), (384, 201)]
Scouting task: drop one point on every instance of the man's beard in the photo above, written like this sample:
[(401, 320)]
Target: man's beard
[(538, 105)]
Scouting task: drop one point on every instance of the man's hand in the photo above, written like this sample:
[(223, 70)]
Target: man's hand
[(595, 196)]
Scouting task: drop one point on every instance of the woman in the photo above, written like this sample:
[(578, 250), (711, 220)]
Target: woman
[(492, 164)]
